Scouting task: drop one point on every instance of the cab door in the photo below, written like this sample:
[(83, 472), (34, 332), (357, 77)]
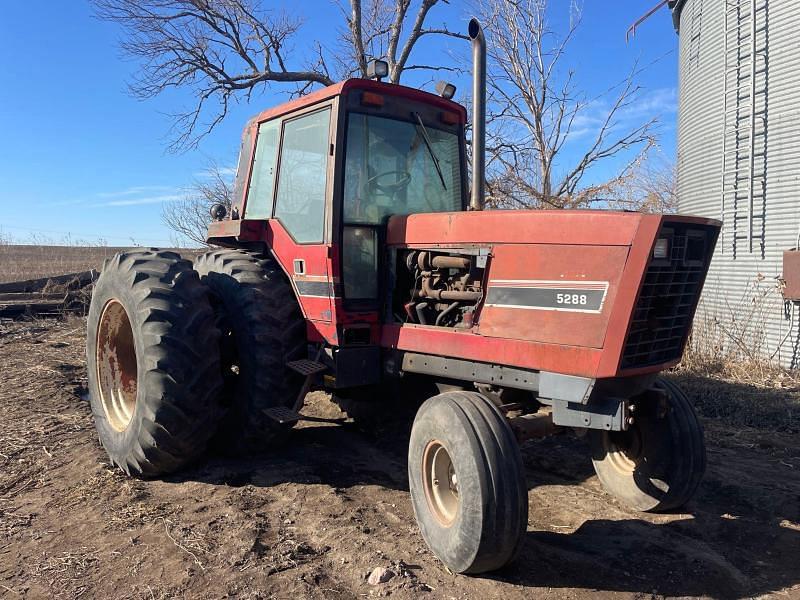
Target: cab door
[(299, 230)]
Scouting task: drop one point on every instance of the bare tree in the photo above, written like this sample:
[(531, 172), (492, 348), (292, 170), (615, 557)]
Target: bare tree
[(538, 117), (189, 217), (651, 186), (224, 50), (375, 30)]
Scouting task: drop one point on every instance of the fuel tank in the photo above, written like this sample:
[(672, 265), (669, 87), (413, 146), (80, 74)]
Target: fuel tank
[(618, 287)]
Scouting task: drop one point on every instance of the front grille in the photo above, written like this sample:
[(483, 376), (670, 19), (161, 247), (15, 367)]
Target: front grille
[(668, 297)]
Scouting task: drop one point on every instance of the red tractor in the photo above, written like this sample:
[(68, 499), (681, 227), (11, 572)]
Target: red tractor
[(353, 256)]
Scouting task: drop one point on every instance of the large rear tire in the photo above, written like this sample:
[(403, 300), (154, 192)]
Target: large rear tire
[(262, 330), (153, 366), (658, 463), (467, 482)]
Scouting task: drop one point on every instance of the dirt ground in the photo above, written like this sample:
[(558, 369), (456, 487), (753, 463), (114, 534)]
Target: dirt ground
[(313, 518), (31, 261)]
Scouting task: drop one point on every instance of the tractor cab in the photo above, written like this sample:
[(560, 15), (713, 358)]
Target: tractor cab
[(319, 178)]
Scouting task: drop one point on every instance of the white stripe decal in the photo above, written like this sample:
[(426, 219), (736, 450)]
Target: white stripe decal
[(561, 296)]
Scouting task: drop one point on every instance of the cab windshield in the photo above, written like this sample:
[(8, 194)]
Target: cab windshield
[(395, 167)]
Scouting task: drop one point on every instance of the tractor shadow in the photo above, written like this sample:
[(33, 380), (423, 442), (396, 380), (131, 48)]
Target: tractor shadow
[(704, 554), (339, 456), (741, 537)]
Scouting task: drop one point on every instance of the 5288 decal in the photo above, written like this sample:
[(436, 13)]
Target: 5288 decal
[(533, 294), (572, 299)]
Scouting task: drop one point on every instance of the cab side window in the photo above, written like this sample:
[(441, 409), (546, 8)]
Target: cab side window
[(245, 155), (302, 176), (262, 181)]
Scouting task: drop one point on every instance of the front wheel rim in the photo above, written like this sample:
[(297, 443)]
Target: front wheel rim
[(625, 450), (440, 483), (116, 365)]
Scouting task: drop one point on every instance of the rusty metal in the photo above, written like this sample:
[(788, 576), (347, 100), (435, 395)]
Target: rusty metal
[(426, 262), (446, 312), (23, 297), (117, 368), (791, 275), (437, 282), (429, 292), (68, 281), (35, 304), (536, 425), (450, 262), (46, 295)]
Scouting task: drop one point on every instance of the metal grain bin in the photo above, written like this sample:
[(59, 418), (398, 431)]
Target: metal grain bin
[(739, 161)]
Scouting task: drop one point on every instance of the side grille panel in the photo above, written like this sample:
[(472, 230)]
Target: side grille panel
[(668, 297)]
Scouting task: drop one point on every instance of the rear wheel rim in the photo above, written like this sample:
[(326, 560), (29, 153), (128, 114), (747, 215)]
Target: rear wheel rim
[(117, 368), (440, 483)]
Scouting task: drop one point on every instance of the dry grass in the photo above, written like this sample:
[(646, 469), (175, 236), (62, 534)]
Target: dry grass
[(740, 391), (754, 372), (67, 572), (730, 370)]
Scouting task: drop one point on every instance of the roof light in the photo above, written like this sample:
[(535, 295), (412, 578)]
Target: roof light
[(377, 69), (445, 90)]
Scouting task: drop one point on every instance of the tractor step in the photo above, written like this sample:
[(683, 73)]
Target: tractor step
[(285, 415), (306, 366)]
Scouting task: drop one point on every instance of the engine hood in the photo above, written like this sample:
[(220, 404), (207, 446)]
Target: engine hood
[(582, 227), (570, 284)]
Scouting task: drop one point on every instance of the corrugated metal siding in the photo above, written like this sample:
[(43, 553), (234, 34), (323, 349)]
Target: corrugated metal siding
[(740, 302)]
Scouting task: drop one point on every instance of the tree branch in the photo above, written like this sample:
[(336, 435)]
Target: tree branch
[(223, 50), (535, 106)]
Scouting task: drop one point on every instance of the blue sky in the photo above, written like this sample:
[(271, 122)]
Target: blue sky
[(81, 159)]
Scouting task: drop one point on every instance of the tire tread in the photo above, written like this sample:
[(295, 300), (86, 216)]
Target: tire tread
[(175, 387), (269, 330), (505, 501)]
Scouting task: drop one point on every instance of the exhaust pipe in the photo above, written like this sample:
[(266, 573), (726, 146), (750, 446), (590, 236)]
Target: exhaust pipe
[(475, 32)]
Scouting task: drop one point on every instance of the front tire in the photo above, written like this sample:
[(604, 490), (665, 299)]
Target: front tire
[(262, 330), (153, 365), (467, 482), (658, 463)]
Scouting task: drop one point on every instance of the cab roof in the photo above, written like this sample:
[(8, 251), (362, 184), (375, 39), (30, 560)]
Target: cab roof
[(348, 85)]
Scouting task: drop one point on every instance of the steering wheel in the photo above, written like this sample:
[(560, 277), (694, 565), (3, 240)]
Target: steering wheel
[(403, 178)]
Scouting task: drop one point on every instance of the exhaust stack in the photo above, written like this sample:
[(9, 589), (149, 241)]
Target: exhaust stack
[(475, 32)]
